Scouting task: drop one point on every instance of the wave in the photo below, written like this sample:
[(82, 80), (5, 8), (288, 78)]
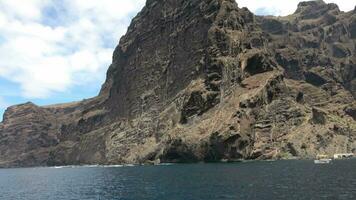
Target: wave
[(105, 166)]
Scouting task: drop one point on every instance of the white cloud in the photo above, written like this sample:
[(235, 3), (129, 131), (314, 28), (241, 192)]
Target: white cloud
[(45, 58), (49, 46), (24, 10), (286, 7)]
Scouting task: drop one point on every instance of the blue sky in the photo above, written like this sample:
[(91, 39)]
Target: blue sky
[(55, 51)]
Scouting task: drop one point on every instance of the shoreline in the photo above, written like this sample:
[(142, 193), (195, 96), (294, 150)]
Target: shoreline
[(164, 164)]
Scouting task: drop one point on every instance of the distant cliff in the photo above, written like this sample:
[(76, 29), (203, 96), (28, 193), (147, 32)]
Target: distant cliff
[(204, 80)]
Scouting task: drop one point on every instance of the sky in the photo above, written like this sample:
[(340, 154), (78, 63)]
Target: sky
[(55, 51)]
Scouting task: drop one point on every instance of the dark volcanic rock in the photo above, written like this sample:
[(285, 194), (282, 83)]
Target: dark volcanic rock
[(204, 80), (319, 116), (351, 111)]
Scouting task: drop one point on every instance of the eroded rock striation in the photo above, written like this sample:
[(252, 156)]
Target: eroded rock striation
[(204, 80)]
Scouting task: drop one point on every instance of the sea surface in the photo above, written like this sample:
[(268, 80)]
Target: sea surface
[(247, 180)]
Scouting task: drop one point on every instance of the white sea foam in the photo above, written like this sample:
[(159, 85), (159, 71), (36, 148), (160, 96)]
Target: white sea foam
[(104, 166), (166, 164), (91, 166)]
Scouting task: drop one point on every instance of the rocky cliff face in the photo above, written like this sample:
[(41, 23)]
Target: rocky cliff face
[(204, 80)]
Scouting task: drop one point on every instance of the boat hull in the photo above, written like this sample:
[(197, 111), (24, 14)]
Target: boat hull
[(322, 161)]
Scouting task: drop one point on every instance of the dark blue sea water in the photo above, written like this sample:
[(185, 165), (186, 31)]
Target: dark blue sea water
[(251, 180)]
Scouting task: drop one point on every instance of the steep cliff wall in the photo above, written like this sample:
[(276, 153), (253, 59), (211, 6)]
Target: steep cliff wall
[(204, 80)]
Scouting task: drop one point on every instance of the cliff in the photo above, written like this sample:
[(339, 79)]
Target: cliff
[(204, 80)]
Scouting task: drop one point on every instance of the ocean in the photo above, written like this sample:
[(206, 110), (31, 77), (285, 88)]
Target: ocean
[(255, 180)]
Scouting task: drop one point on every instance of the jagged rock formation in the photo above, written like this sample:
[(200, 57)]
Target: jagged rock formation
[(204, 80)]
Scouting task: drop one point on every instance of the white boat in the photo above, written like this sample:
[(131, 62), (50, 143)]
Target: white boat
[(343, 155), (322, 159)]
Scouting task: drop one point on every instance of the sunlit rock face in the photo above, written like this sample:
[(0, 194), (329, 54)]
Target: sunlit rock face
[(204, 80)]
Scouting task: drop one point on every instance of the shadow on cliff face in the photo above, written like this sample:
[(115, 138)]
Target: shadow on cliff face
[(178, 152), (314, 79), (257, 63), (231, 148), (219, 147)]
